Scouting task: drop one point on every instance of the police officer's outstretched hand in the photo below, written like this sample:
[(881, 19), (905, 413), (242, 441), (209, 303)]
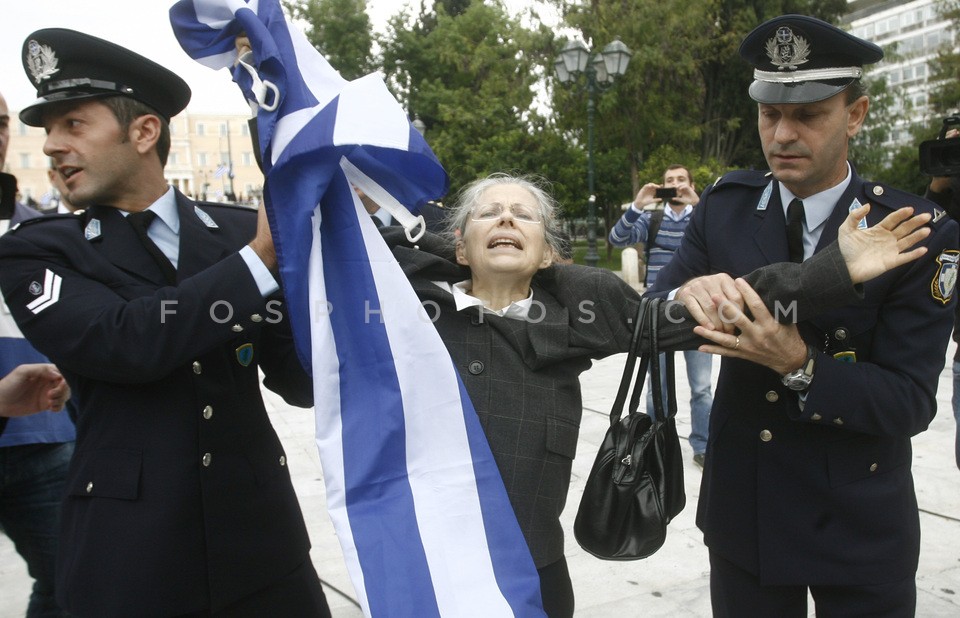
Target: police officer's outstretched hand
[(872, 251)]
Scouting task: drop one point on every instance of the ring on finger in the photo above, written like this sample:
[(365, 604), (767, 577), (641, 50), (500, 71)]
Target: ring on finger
[(736, 346)]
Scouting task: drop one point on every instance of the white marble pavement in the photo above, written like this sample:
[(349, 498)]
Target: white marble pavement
[(674, 581)]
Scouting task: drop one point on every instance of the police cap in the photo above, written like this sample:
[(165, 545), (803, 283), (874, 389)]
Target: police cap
[(68, 65), (800, 59)]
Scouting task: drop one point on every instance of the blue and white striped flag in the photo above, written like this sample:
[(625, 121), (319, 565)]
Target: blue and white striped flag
[(414, 493)]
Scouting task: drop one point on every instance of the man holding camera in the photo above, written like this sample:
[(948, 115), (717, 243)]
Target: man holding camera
[(944, 191), (658, 217)]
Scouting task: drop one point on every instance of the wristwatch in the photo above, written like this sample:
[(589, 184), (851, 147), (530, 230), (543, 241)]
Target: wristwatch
[(799, 379)]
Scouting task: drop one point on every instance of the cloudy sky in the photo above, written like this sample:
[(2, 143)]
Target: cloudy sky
[(140, 25)]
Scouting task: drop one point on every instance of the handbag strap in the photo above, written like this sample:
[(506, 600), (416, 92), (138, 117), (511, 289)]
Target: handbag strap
[(655, 369), (639, 323)]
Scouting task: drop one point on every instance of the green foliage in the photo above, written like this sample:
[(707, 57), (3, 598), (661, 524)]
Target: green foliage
[(340, 30), (469, 75), (945, 68), (483, 82)]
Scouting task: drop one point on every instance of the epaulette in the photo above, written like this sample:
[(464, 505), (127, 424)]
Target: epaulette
[(889, 197), (744, 178), (225, 206), (46, 218)]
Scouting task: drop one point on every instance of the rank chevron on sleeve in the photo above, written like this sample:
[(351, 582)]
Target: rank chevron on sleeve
[(50, 293)]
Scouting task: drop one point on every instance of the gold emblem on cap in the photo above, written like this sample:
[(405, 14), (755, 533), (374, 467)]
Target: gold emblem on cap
[(787, 51), (42, 61)]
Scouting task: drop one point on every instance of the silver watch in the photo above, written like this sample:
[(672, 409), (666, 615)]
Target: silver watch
[(799, 379)]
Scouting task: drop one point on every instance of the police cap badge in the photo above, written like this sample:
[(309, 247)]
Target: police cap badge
[(800, 59), (66, 65)]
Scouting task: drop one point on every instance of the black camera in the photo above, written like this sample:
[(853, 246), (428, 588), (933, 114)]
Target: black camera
[(941, 157), (665, 193)]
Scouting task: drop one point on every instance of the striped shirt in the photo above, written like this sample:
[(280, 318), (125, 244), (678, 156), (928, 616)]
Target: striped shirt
[(633, 227)]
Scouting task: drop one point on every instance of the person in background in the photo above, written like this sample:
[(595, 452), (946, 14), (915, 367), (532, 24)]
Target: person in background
[(944, 191), (661, 230), (521, 328), (35, 450), (56, 180), (33, 388), (161, 313), (807, 487)]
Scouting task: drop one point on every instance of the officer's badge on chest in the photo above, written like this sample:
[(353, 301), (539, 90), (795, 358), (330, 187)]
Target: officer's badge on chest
[(245, 354), (945, 280)]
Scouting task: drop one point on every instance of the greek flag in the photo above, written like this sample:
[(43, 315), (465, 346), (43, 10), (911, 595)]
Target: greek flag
[(412, 488)]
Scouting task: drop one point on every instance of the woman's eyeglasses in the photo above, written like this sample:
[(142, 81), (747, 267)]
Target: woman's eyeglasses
[(519, 212)]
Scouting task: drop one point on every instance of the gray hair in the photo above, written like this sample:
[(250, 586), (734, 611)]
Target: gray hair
[(469, 198)]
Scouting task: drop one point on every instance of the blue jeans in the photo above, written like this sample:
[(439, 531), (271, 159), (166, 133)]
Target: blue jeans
[(956, 407), (699, 366), (32, 478)]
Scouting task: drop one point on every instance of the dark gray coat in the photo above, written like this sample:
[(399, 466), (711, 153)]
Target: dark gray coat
[(523, 375)]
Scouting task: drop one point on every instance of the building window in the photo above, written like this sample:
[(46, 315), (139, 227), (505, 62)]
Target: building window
[(201, 129), (202, 159), (223, 129), (25, 160), (244, 130), (172, 158), (23, 130)]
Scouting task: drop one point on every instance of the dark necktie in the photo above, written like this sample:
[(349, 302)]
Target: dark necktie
[(795, 230), (141, 223)]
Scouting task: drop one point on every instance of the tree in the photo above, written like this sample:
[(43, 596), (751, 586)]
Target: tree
[(340, 30), (945, 68), (470, 78)]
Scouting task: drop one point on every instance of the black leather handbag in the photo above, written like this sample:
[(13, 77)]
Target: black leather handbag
[(636, 485)]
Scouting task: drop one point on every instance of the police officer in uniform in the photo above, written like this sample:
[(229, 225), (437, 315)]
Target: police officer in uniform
[(807, 484), (160, 313)]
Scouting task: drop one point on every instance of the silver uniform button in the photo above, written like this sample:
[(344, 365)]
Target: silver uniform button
[(878, 190), (766, 435), (873, 467), (197, 367), (838, 421), (773, 396), (815, 417), (207, 412), (256, 317), (283, 460), (236, 328), (89, 486), (207, 458)]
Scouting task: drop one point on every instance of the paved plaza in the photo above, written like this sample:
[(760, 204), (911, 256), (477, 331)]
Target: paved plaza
[(674, 581)]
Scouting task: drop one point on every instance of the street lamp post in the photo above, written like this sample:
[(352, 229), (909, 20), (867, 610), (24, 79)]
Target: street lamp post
[(600, 71)]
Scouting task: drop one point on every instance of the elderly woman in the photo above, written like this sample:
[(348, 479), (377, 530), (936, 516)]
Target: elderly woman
[(521, 329)]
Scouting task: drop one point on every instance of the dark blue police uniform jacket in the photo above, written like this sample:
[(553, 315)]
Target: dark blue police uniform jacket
[(822, 495), (178, 496)]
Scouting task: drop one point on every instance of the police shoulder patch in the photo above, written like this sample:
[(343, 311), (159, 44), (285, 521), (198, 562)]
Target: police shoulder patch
[(945, 279)]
